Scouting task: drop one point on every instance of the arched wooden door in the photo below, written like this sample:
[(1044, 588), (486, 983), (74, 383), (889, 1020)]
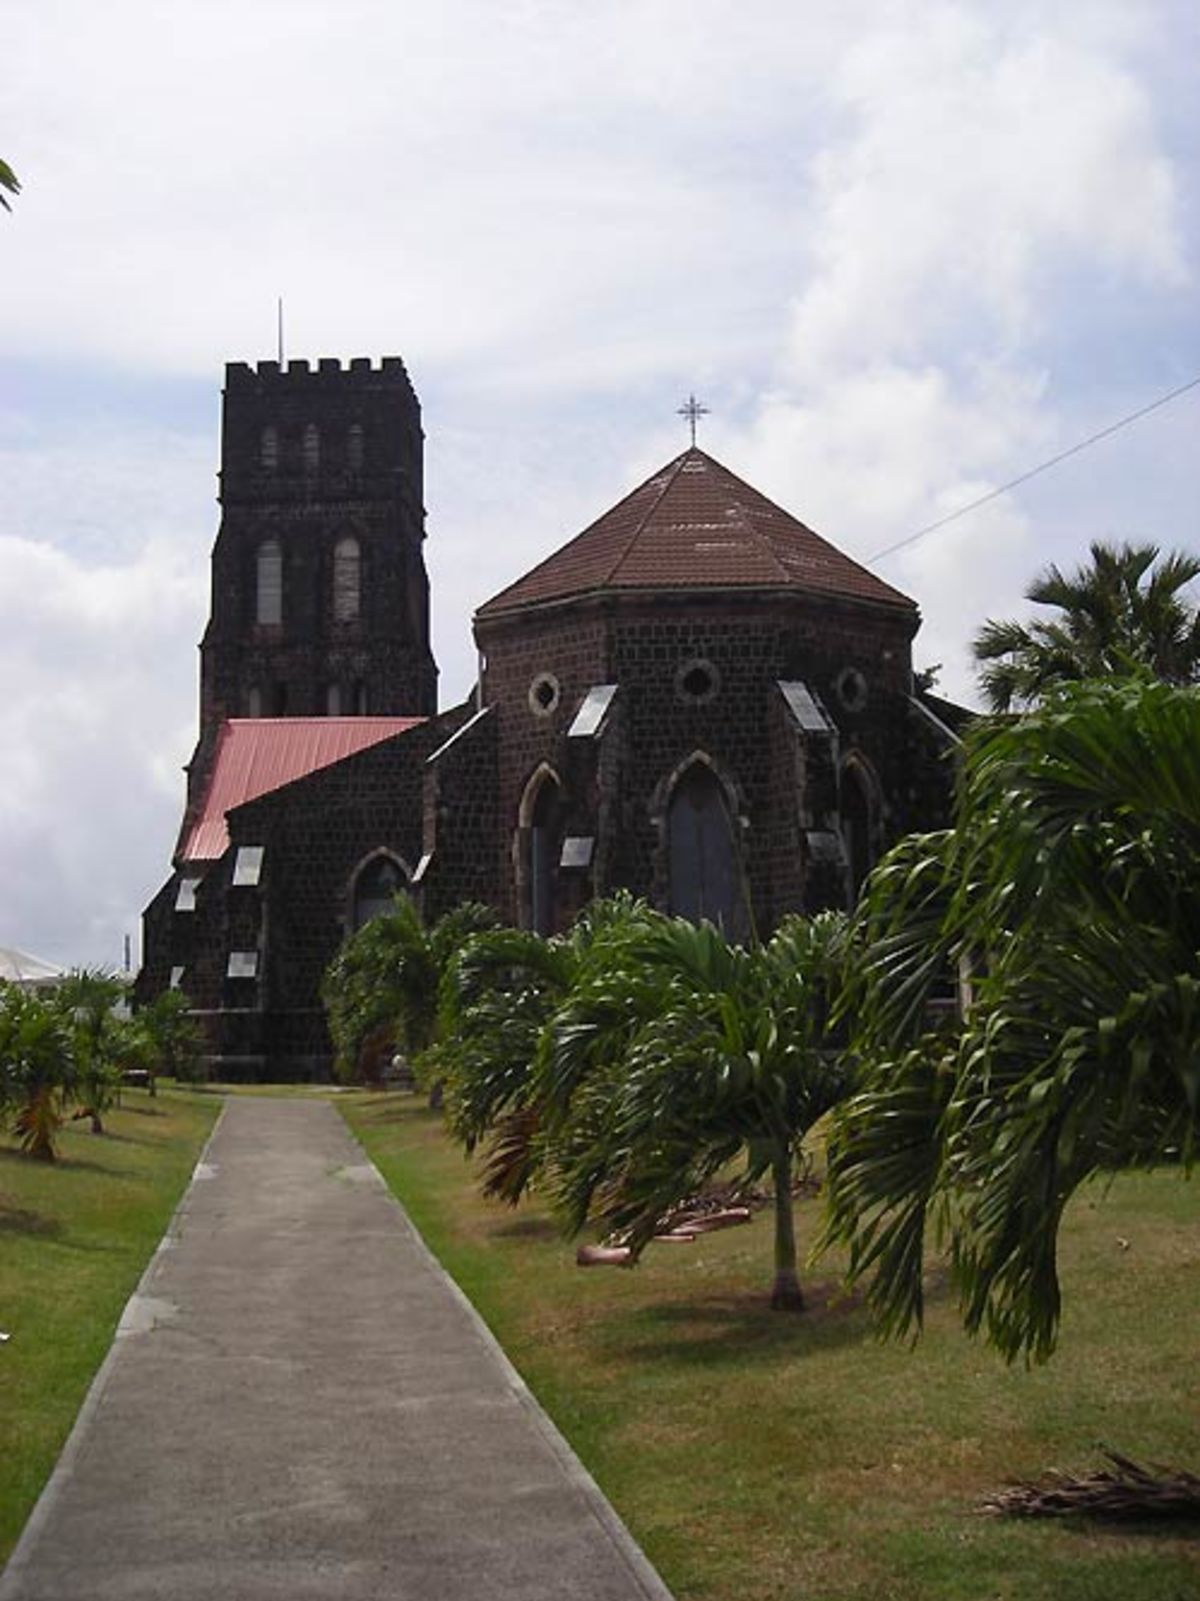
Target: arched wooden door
[(705, 882)]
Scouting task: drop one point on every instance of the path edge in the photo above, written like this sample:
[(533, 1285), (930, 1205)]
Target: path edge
[(60, 1474), (643, 1571)]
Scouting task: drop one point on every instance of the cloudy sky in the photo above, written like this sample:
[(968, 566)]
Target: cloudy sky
[(904, 251)]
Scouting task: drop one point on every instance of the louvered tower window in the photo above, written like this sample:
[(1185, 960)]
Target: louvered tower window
[(269, 600), (347, 572), (354, 448), (269, 449), (312, 448)]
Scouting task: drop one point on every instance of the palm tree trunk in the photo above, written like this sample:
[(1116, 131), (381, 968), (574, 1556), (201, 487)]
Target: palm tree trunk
[(785, 1296)]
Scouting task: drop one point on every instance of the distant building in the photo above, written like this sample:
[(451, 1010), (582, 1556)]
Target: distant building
[(697, 699)]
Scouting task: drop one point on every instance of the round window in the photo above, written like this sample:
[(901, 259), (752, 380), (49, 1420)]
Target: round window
[(697, 682), (851, 689), (544, 694)]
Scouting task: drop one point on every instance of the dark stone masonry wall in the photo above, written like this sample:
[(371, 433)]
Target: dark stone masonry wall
[(571, 647), (344, 461), (461, 825), (781, 785)]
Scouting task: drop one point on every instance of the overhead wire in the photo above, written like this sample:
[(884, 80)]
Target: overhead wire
[(1023, 478)]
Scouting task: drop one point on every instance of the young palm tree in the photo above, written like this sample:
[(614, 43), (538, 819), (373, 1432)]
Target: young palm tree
[(1121, 613), (9, 182), (502, 991), (165, 1038), (381, 989), (36, 1070), (1070, 890), (86, 1001), (692, 1054)]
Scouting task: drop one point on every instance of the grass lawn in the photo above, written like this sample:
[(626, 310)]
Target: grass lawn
[(758, 1455), (75, 1236)]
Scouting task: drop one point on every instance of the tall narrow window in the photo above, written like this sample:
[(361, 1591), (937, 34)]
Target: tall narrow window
[(347, 580), (254, 701), (312, 448), (856, 826), (545, 840), (376, 888), (360, 697), (268, 449), (333, 700), (703, 866), (269, 607), (354, 448)]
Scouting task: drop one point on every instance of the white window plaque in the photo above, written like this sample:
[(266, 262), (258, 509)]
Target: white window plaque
[(247, 868), (577, 851), (185, 900)]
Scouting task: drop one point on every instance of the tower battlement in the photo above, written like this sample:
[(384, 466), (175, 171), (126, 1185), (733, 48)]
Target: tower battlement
[(276, 376), (323, 427)]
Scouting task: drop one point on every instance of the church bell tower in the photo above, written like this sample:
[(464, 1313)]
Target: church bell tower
[(320, 598)]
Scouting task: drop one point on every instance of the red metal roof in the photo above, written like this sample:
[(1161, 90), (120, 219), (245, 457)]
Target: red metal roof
[(258, 754), (695, 525)]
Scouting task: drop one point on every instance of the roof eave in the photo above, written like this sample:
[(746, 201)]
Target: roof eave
[(492, 612)]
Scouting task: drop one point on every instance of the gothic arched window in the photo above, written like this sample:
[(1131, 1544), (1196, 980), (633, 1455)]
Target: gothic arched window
[(347, 580), (268, 607), (312, 448), (702, 863), (376, 888), (543, 818), (857, 830)]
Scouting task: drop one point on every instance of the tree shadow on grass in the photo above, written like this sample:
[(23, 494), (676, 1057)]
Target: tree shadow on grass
[(723, 1329), (527, 1228), (20, 1220), (86, 1164)]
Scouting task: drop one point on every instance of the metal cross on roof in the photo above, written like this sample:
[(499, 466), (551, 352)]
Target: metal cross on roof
[(693, 411)]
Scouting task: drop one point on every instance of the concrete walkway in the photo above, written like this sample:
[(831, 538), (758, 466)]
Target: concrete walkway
[(300, 1404)]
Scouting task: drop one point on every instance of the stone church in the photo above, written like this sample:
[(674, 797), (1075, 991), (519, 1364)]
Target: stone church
[(697, 699)]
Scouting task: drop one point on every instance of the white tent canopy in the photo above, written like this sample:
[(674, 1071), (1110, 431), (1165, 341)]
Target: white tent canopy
[(18, 967)]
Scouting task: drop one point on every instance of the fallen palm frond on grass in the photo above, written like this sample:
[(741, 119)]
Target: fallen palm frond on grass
[(1127, 1492)]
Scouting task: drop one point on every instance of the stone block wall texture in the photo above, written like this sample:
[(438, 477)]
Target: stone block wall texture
[(363, 480), (855, 657)]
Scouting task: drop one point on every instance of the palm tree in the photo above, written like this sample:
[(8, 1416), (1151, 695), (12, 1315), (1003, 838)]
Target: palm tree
[(87, 1000), (381, 991), (9, 182), (503, 990), (1121, 613), (695, 1053), (36, 1069), (165, 1038), (1069, 890)]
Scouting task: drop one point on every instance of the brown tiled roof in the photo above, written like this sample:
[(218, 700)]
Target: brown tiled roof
[(694, 525)]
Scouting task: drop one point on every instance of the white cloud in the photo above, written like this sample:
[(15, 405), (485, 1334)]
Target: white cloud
[(904, 252), (94, 726)]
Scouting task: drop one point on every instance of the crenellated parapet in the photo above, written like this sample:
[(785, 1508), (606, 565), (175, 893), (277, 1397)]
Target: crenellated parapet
[(359, 370)]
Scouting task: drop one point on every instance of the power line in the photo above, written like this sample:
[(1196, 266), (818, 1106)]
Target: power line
[(1044, 466)]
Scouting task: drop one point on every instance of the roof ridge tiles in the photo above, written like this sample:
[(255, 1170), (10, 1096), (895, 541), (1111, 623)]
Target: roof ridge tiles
[(668, 474)]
